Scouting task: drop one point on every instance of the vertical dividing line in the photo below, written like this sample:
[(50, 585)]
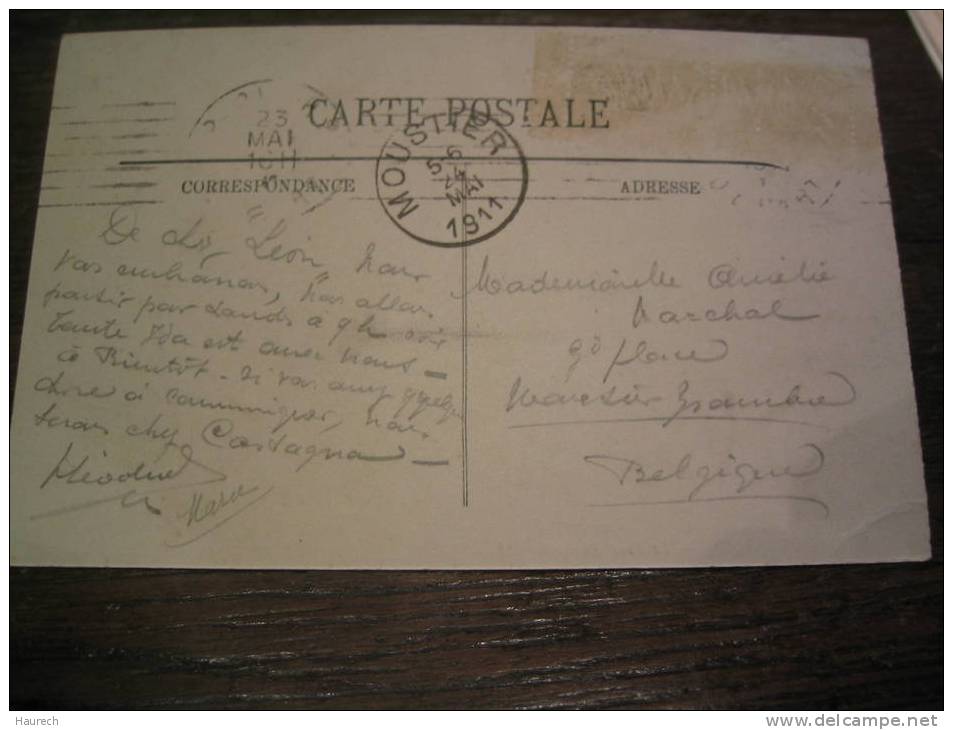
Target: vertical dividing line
[(464, 338)]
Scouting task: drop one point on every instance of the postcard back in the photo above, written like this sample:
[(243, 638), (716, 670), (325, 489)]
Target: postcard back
[(442, 297)]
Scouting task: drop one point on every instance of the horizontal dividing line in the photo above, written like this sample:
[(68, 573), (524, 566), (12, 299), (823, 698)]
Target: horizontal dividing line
[(107, 202), (137, 135), (508, 160), (288, 160), (636, 198), (137, 120), (664, 419), (113, 153), (61, 108), (130, 168), (98, 170), (624, 198), (103, 153), (126, 185), (435, 374), (422, 462), (102, 186), (139, 103)]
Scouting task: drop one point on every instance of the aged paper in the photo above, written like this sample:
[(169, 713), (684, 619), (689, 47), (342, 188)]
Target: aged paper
[(455, 298)]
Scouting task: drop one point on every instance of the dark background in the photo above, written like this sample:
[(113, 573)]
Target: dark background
[(847, 637)]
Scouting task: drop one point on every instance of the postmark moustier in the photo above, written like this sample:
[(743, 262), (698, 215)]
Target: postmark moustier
[(452, 180)]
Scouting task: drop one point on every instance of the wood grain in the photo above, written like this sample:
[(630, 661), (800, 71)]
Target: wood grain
[(847, 637)]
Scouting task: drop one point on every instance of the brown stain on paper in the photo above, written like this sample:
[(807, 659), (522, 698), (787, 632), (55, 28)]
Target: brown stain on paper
[(726, 108)]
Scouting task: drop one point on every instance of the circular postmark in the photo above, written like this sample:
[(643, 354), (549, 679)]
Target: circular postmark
[(452, 180)]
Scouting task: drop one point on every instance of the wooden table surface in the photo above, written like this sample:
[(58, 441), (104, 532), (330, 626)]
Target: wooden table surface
[(848, 637)]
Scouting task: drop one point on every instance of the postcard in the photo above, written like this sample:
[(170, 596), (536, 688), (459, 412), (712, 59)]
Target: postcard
[(447, 297)]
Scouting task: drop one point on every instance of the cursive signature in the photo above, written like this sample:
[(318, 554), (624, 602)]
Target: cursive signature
[(78, 469), (206, 513)]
